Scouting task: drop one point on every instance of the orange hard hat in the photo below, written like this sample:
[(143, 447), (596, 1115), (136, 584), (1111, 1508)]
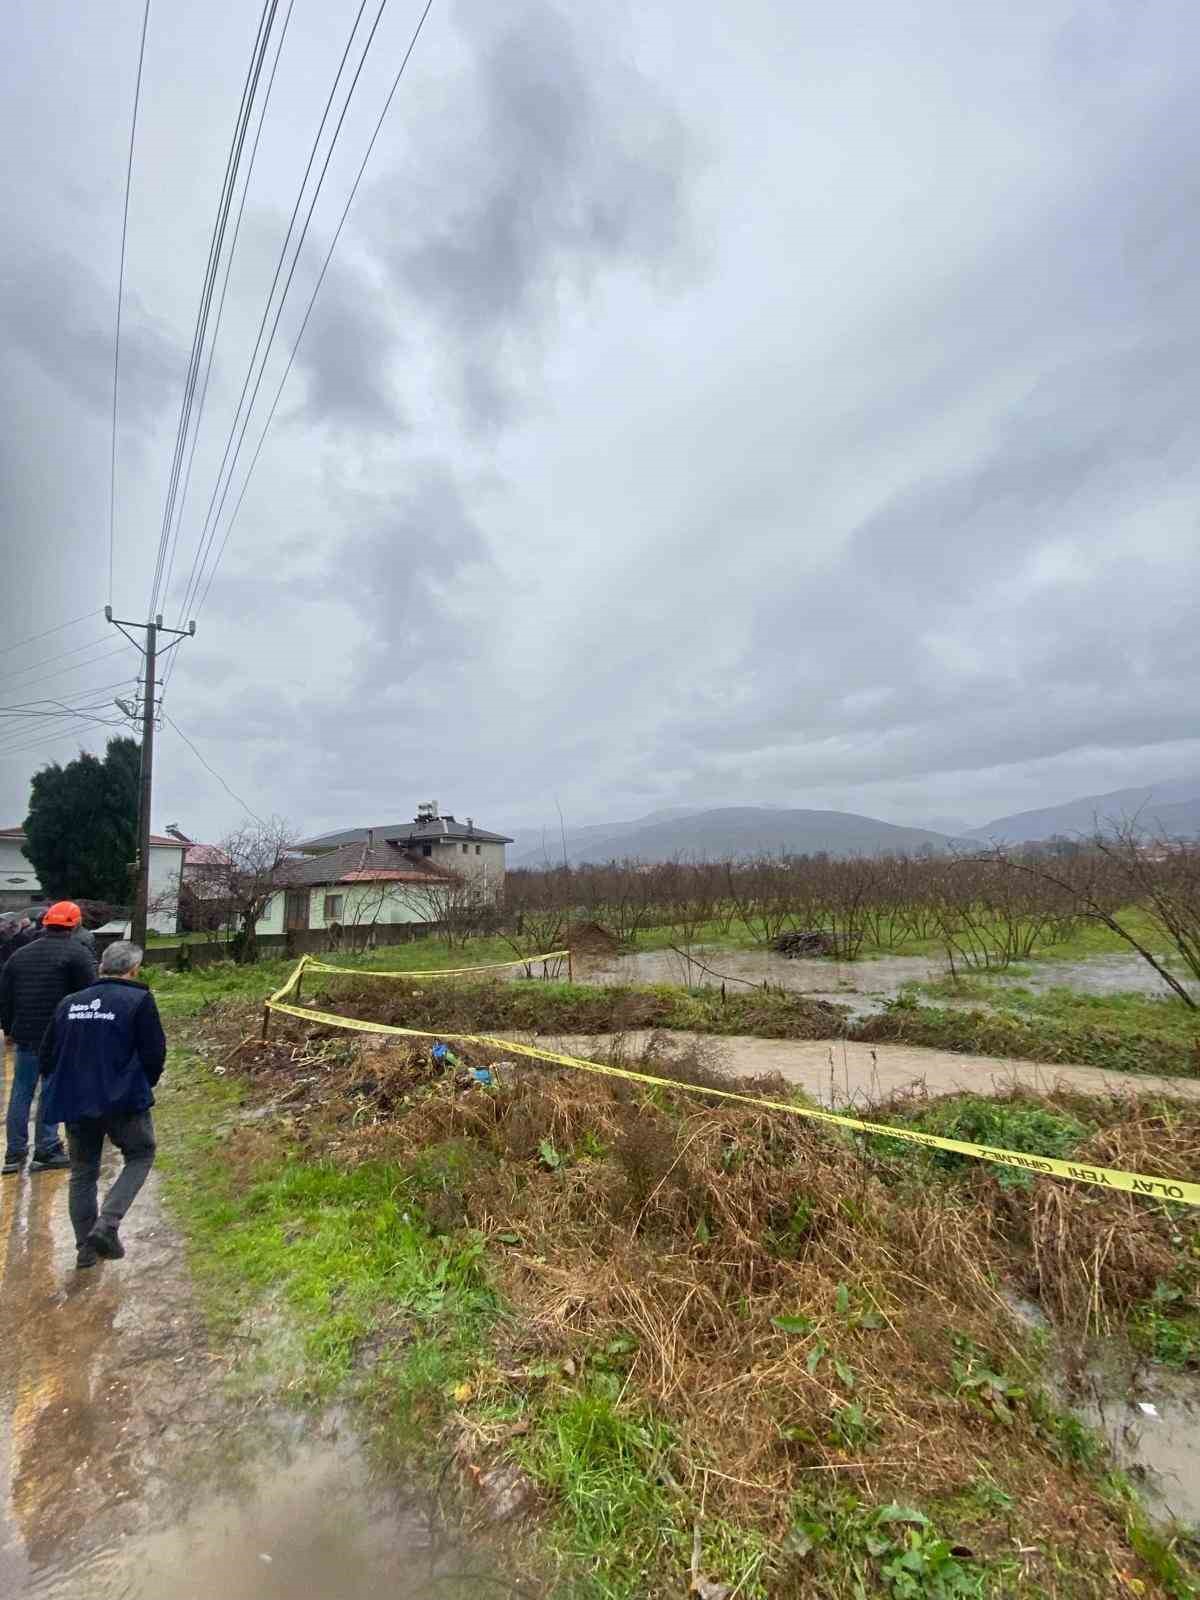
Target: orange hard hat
[(63, 914)]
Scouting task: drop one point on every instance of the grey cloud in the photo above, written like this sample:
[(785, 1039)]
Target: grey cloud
[(347, 356), (890, 505), (566, 162), (60, 316)]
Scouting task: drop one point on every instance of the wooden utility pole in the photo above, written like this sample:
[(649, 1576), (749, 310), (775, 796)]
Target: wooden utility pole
[(141, 892), (151, 654)]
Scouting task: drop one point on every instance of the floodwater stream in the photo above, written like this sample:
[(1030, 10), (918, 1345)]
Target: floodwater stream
[(128, 1471)]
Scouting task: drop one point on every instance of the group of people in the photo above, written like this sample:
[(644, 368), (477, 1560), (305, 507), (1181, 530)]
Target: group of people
[(94, 1041)]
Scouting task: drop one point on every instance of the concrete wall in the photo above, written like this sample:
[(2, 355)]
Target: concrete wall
[(311, 941), (363, 905), (367, 903), (271, 920), (485, 861), (166, 868)]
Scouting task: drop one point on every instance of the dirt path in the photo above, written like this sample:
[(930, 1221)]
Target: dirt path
[(836, 1072), (127, 1469)]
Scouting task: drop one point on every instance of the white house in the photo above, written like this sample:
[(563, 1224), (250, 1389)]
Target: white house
[(19, 884), (395, 872)]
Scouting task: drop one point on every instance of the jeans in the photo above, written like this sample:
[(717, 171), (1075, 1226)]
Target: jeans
[(133, 1136), (46, 1141)]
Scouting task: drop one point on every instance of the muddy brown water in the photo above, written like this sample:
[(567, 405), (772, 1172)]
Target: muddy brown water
[(128, 1471), (862, 987), (839, 1072)]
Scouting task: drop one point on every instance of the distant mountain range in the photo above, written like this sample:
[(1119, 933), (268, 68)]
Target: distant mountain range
[(1171, 807), (728, 831)]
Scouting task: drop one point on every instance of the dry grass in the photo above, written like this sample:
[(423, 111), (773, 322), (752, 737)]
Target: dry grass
[(678, 1231)]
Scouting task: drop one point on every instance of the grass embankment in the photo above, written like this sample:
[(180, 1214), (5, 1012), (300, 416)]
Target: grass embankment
[(1126, 1033), (654, 1314)]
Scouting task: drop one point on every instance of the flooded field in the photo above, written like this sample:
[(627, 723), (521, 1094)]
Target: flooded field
[(128, 1472), (861, 986)]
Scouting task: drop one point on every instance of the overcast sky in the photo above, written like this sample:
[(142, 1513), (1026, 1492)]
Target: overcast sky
[(760, 404)]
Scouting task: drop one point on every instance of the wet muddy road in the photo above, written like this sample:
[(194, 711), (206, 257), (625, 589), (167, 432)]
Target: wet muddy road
[(127, 1472)]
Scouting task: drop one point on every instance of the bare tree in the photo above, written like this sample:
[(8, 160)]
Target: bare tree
[(237, 887), (460, 903), (1122, 873)]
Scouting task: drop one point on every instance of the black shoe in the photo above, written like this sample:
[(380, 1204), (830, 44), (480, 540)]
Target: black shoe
[(58, 1162), (85, 1256), (12, 1164), (104, 1242)]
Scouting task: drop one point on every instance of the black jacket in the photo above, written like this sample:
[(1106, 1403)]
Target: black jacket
[(102, 1053), (36, 977)]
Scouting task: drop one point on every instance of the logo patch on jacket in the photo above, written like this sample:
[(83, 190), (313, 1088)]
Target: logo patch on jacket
[(90, 1012)]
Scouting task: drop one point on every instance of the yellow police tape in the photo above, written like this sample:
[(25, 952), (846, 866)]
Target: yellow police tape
[(436, 972), (1046, 1166)]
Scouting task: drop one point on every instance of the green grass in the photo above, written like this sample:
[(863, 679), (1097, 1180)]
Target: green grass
[(1127, 1032), (1013, 1124), (1124, 1033), (1167, 1325), (341, 1251), (182, 993)]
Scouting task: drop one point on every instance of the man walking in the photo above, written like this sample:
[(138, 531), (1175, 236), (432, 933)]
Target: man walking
[(34, 979), (101, 1057)]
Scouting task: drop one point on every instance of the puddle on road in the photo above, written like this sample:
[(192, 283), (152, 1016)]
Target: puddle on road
[(127, 1470), (312, 1525)]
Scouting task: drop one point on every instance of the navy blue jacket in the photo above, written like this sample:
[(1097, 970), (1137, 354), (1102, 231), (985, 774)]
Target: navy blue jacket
[(102, 1053)]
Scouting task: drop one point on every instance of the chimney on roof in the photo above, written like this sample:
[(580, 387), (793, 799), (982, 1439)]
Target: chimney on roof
[(427, 811), (173, 830), (371, 836), (470, 824)]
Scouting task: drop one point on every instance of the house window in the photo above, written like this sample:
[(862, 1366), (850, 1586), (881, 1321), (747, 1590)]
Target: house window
[(333, 907), (466, 848), (426, 849), (478, 849)]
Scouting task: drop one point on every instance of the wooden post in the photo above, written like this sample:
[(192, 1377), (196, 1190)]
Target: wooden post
[(266, 1027), (570, 965)]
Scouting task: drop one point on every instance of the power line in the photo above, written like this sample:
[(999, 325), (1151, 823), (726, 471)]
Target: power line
[(22, 725), (233, 796), (33, 708), (34, 637), (212, 345), (112, 474), (66, 733), (48, 661), (313, 298), (208, 529), (79, 665), (224, 202)]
